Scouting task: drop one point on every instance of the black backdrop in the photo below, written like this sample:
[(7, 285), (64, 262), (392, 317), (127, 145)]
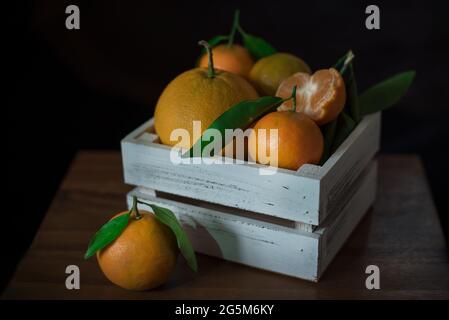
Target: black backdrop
[(87, 88)]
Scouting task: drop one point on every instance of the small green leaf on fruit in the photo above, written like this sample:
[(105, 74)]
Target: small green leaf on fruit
[(212, 43), (168, 218), (107, 234), (240, 116), (217, 40), (257, 47)]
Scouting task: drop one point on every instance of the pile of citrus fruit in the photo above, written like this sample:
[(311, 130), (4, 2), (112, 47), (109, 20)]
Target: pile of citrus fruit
[(238, 86), (228, 73)]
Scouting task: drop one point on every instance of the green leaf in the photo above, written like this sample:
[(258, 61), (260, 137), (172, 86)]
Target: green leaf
[(386, 93), (212, 43), (107, 233), (235, 24), (352, 98), (258, 47), (328, 131), (335, 132), (339, 64), (168, 218), (345, 67), (342, 63), (345, 125), (217, 40), (241, 116), (377, 98)]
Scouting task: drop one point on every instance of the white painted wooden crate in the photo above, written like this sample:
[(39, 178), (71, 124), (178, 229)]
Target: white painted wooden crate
[(292, 222), (267, 242), (306, 196)]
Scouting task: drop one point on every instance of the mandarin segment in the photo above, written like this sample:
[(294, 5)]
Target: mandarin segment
[(321, 96), (300, 80)]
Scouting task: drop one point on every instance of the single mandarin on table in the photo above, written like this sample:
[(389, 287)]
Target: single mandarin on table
[(142, 257)]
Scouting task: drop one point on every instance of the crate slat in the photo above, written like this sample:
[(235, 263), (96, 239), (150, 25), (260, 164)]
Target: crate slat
[(267, 245)]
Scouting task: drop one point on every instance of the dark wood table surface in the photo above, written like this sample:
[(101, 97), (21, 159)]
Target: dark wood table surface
[(401, 235)]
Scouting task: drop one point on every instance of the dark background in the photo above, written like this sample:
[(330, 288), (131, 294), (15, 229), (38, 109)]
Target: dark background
[(86, 89)]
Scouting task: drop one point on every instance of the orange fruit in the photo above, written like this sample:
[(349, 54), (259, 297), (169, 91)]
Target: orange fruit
[(270, 71), (321, 96), (234, 58), (199, 94), (299, 139), (240, 141), (142, 257)]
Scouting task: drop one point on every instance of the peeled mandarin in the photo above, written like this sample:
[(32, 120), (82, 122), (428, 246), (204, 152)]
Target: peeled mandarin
[(320, 96)]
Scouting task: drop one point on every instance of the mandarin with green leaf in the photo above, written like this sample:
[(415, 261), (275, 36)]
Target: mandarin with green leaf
[(143, 256), (200, 94), (232, 58)]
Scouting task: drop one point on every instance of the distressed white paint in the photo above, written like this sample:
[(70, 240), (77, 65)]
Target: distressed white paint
[(268, 245), (307, 195)]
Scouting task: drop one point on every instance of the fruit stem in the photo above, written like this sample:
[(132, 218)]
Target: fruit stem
[(294, 98), (210, 66), (234, 27), (145, 203), (349, 57), (134, 208)]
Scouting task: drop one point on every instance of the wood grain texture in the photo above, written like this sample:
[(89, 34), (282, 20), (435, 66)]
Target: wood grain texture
[(401, 235)]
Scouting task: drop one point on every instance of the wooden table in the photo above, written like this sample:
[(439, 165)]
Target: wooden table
[(401, 235)]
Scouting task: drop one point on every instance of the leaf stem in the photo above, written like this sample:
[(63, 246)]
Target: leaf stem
[(135, 210), (239, 28), (143, 202), (210, 66), (235, 24), (349, 57), (294, 98)]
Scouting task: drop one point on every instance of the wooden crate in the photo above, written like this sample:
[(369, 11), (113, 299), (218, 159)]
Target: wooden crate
[(306, 196), (291, 222), (268, 242)]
